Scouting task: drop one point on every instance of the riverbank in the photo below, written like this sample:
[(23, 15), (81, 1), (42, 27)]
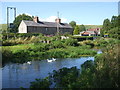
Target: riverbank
[(33, 47), (23, 53), (100, 73)]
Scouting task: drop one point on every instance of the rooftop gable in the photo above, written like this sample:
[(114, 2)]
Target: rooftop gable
[(46, 24)]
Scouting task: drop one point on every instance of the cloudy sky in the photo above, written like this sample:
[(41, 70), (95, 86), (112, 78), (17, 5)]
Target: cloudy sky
[(86, 13)]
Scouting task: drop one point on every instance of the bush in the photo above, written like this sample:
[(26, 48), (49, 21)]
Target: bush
[(40, 83), (71, 42), (57, 44), (6, 55)]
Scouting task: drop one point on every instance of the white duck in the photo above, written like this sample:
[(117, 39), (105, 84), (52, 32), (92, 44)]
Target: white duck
[(53, 59), (49, 60), (29, 62)]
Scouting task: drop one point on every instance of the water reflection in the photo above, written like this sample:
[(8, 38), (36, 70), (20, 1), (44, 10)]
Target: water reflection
[(17, 75)]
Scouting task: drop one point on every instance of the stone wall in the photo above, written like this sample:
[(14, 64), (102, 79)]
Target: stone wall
[(49, 31)]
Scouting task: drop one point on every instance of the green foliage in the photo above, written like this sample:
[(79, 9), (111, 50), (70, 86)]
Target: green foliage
[(87, 42), (101, 73), (89, 64), (114, 33), (6, 55), (57, 44), (57, 53), (111, 27), (92, 26), (82, 28), (19, 38), (103, 42), (73, 24), (40, 83), (114, 21), (22, 53), (71, 42), (76, 30), (65, 77), (18, 20), (82, 38), (3, 28), (102, 33), (107, 68), (106, 25)]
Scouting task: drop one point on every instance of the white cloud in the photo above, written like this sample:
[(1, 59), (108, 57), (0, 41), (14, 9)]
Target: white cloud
[(52, 19), (49, 19)]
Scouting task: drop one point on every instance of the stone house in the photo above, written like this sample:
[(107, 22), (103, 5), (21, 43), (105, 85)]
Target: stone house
[(46, 28)]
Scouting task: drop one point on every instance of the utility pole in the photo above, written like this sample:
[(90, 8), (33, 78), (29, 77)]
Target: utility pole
[(7, 19), (58, 23)]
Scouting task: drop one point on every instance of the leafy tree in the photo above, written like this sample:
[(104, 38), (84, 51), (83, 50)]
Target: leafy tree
[(111, 27), (114, 33), (119, 21), (40, 83), (101, 32), (18, 20), (76, 30), (114, 21), (106, 25), (65, 77), (73, 24), (82, 28), (107, 68)]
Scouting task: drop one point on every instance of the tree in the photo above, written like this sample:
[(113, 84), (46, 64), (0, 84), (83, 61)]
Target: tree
[(18, 20), (101, 32), (119, 21), (76, 30), (114, 21), (111, 27), (82, 28), (73, 24), (114, 33), (106, 25)]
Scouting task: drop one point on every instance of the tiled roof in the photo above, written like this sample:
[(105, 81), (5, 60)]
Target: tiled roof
[(94, 29), (46, 24), (88, 32)]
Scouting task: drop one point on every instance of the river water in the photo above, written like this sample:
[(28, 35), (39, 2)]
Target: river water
[(20, 75)]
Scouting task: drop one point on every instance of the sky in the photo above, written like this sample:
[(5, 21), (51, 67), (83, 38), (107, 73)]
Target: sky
[(87, 13)]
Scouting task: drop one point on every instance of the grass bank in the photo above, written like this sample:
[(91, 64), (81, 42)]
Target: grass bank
[(23, 53)]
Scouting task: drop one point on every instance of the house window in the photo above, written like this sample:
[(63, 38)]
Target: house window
[(46, 29)]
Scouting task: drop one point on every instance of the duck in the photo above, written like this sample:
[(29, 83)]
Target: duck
[(53, 59), (29, 62), (49, 60)]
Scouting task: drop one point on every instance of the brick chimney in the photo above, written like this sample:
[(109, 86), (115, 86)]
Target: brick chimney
[(36, 19), (58, 20)]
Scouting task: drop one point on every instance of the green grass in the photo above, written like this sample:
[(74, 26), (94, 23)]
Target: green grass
[(18, 47), (3, 27), (92, 26), (22, 53)]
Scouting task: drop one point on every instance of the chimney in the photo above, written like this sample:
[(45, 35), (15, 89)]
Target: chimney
[(58, 20), (36, 19)]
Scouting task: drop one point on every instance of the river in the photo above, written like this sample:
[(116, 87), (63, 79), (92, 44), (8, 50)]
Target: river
[(20, 75)]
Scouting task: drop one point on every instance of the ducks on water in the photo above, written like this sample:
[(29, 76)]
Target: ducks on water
[(50, 60)]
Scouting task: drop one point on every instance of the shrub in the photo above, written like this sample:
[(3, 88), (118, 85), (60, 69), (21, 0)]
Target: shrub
[(40, 83), (71, 42)]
